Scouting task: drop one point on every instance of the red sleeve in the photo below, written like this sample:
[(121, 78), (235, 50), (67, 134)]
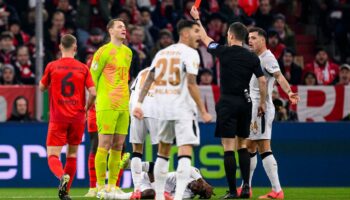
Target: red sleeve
[(45, 80), (88, 81), (336, 68)]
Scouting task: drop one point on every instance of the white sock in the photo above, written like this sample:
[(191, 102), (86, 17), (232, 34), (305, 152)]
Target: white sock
[(253, 163), (145, 166), (270, 166), (183, 173), (161, 169), (136, 169)]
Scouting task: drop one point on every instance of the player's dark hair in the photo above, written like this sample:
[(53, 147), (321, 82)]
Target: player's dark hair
[(67, 41), (182, 24), (260, 32), (239, 30), (111, 22)]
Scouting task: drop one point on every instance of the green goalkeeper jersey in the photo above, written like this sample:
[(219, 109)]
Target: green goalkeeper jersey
[(110, 73)]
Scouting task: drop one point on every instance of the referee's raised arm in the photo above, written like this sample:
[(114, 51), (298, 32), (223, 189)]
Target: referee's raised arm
[(204, 36), (234, 109)]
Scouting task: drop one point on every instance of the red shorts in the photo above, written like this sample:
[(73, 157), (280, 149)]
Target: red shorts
[(60, 134), (91, 122)]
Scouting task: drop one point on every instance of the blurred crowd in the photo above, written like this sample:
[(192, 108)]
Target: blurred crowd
[(310, 39)]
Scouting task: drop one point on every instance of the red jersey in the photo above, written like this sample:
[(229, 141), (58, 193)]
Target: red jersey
[(67, 79)]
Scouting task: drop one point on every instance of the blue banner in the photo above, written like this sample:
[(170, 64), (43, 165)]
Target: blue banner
[(308, 154)]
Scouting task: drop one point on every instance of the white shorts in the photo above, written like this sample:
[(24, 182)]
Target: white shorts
[(140, 128), (185, 131), (256, 126)]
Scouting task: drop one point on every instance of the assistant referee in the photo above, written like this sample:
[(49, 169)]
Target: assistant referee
[(237, 65)]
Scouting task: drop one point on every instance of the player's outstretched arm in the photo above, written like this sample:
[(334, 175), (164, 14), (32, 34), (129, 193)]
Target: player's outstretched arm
[(293, 97), (204, 36), (263, 90), (195, 94), (137, 112)]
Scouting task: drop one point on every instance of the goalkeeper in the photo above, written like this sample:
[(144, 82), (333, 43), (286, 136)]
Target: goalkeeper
[(196, 185), (110, 73)]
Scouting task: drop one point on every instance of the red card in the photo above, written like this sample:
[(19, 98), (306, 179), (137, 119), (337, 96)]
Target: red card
[(197, 3)]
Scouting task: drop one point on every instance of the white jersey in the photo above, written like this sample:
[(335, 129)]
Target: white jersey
[(269, 66), (171, 65), (148, 103)]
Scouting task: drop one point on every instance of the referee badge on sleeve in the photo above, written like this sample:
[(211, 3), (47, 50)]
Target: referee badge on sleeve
[(213, 45)]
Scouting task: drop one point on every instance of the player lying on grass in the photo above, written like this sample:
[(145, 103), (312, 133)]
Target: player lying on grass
[(196, 185)]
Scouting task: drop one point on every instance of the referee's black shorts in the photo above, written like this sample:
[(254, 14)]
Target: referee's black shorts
[(234, 114)]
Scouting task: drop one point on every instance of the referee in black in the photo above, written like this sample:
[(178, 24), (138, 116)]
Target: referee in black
[(234, 109)]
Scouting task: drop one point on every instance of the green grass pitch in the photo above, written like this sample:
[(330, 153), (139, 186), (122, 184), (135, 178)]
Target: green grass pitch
[(328, 193)]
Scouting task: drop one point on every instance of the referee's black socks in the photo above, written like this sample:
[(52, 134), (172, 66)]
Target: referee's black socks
[(244, 164), (230, 169)]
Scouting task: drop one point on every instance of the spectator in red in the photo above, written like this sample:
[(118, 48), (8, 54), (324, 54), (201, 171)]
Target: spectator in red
[(286, 34), (325, 70), (274, 44), (19, 37), (7, 49), (291, 71), (310, 79), (25, 70), (264, 17), (344, 75), (8, 75)]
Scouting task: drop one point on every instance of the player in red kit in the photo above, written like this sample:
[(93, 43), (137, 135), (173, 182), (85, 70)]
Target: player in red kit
[(66, 80)]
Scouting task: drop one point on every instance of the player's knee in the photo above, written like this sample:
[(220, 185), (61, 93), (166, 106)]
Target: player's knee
[(264, 146), (148, 194), (72, 150), (164, 149), (106, 144), (137, 148), (53, 151), (228, 144), (117, 146)]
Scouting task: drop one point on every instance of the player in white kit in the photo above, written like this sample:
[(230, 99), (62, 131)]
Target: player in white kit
[(196, 185), (260, 130), (140, 127), (173, 71)]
